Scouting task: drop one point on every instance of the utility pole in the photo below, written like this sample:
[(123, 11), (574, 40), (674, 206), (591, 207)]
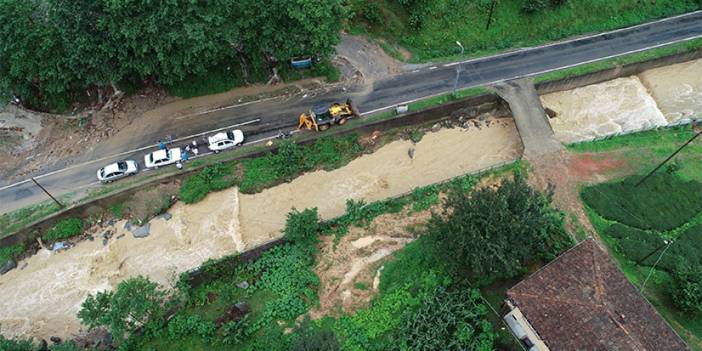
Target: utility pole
[(458, 68), (492, 9), (47, 193), (668, 159)]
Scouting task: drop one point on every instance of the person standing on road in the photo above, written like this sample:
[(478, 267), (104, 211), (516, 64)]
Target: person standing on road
[(161, 145)]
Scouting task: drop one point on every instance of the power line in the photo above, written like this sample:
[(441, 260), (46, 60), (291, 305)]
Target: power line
[(668, 159)]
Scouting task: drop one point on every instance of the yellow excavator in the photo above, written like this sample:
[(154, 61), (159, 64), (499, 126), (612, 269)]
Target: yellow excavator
[(321, 117)]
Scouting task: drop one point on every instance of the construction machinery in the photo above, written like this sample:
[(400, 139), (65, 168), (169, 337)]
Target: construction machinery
[(321, 117)]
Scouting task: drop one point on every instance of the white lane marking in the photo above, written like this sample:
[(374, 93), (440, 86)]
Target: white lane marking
[(424, 97), (227, 107), (128, 152), (571, 40), (433, 68), (415, 71), (532, 74)]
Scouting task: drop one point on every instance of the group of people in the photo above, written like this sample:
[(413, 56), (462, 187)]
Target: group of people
[(185, 155)]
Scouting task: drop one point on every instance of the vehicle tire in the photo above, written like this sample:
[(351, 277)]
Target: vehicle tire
[(323, 127), (342, 121)]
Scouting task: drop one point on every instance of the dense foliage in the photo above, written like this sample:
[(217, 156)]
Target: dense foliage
[(64, 229), (448, 320), (303, 227), (292, 159), (491, 234), (10, 252), (687, 289), (52, 49), (136, 303), (663, 202), (212, 178)]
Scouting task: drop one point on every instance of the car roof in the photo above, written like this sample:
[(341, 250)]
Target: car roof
[(218, 137), (111, 168), (159, 154)]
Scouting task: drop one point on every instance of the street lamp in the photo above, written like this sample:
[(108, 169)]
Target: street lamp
[(458, 68)]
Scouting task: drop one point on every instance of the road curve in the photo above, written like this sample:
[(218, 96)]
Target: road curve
[(280, 113)]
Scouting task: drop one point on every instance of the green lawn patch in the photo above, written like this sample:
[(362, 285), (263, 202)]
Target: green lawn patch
[(64, 229), (10, 252), (663, 202)]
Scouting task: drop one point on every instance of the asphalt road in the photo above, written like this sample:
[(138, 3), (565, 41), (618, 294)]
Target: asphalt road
[(278, 114)]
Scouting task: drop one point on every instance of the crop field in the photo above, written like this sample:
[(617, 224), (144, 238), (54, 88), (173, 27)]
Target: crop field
[(657, 223)]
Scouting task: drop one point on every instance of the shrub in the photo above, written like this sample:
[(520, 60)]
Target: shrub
[(311, 338), (10, 252), (194, 189), (687, 288), (371, 13), (662, 202), (212, 178), (533, 6), (303, 227), (491, 234), (448, 320), (64, 229), (15, 345)]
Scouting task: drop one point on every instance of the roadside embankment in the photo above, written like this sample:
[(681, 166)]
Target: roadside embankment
[(42, 296)]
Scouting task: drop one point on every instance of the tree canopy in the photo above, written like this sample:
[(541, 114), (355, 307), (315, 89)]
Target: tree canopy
[(53, 48), (137, 302), (495, 233)]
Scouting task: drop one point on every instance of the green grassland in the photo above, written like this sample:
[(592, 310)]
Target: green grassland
[(429, 29)]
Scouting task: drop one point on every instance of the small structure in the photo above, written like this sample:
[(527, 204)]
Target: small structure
[(582, 301)]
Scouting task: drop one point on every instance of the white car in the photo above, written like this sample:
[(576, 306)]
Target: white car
[(221, 141), (162, 158), (117, 170)]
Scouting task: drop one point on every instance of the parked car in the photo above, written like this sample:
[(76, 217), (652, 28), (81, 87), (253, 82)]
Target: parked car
[(162, 157), (117, 170), (221, 141)]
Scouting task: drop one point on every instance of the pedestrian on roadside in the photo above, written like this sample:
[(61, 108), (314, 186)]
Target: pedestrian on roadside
[(161, 145), (196, 151)]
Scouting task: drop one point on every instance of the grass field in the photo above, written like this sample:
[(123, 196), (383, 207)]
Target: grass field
[(633, 236), (429, 29)]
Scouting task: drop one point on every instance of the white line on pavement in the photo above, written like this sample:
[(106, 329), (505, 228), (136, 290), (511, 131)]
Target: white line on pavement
[(532, 74), (128, 152), (572, 39), (404, 102)]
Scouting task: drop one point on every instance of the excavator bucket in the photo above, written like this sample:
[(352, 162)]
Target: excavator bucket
[(306, 121)]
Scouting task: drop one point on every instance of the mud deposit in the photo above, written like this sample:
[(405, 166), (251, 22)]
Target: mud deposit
[(617, 106), (387, 172), (42, 299), (677, 89)]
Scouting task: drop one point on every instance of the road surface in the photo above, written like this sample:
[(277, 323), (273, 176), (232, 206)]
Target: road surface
[(280, 113)]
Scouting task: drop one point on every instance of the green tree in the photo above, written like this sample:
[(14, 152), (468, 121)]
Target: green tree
[(489, 234), (687, 288), (136, 303), (303, 227)]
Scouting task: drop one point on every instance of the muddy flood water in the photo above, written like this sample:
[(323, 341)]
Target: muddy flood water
[(653, 98), (42, 296)]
